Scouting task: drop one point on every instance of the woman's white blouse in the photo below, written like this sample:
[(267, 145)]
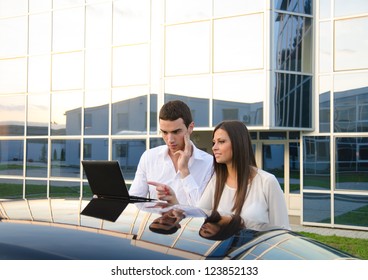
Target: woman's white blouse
[(264, 208)]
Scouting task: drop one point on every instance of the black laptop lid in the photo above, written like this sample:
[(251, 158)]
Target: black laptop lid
[(105, 178)]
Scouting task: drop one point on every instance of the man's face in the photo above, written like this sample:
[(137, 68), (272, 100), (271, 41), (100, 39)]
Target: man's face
[(173, 133)]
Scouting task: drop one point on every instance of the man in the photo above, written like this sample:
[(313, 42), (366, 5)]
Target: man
[(177, 172)]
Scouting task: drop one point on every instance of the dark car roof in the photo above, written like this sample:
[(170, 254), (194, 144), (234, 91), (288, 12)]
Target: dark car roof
[(55, 229)]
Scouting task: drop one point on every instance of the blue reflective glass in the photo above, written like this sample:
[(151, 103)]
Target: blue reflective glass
[(352, 163), (297, 6), (351, 210), (324, 112), (11, 157), (249, 113), (351, 110), (36, 158), (294, 167), (316, 163), (95, 149), (293, 100), (128, 153), (36, 189), (129, 116), (96, 120), (153, 113), (317, 207), (64, 189), (273, 161), (65, 160), (10, 188)]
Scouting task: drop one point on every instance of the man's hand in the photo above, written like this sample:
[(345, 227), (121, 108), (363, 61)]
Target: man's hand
[(165, 193), (184, 156)]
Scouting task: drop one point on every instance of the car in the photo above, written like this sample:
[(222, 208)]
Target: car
[(84, 229)]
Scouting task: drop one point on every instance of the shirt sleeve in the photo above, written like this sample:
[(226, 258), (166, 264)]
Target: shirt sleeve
[(278, 214), (207, 198), (193, 189), (139, 186)]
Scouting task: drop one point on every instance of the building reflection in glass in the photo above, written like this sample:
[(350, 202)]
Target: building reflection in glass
[(316, 163)]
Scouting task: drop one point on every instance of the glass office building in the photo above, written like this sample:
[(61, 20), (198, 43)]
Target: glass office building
[(85, 79)]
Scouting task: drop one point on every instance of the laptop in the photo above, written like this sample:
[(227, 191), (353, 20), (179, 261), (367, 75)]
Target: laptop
[(106, 180), (105, 208)]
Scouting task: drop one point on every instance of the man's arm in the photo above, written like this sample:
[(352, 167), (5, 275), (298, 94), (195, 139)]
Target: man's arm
[(139, 186)]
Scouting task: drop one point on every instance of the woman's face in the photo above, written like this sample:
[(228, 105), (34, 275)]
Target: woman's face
[(222, 149)]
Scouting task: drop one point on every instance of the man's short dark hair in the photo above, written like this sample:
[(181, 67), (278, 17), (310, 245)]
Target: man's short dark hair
[(175, 109)]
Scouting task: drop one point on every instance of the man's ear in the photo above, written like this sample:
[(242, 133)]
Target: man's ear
[(191, 127)]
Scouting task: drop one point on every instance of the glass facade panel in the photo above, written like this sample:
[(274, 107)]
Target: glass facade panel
[(67, 71), (324, 104), (234, 7), (96, 113), (297, 6), (39, 71), (229, 93), (12, 118), (153, 114), (11, 157), (238, 43), (68, 34), (272, 135), (351, 46), (325, 47), (354, 7), (187, 10), (293, 100), (38, 114), (39, 33), (129, 110), (98, 25), (351, 210), (66, 110), (98, 69), (294, 167), (66, 158), (95, 149), (317, 207), (273, 161), (13, 75), (14, 32), (36, 189), (128, 14), (64, 189), (352, 163), (293, 43), (351, 103), (36, 6), (11, 189), (130, 65), (187, 49), (155, 142), (128, 153), (324, 9), (36, 158), (316, 163), (14, 7)]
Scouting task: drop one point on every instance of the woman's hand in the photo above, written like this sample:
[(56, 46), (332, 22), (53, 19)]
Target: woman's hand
[(165, 193)]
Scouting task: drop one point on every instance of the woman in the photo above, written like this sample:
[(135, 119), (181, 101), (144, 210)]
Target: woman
[(238, 186)]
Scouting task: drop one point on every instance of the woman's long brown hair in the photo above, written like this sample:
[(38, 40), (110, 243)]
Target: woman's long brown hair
[(242, 161)]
